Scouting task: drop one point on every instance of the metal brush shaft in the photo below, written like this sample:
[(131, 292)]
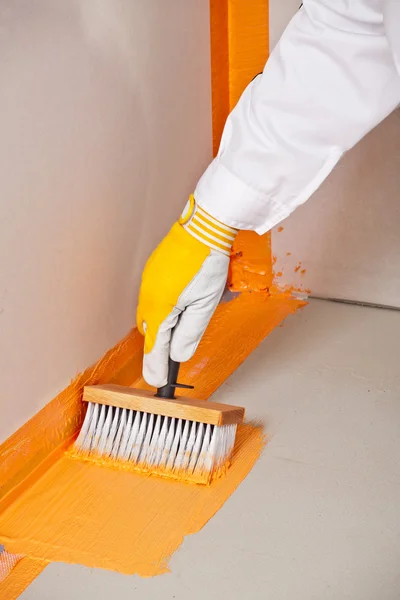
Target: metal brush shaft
[(168, 390)]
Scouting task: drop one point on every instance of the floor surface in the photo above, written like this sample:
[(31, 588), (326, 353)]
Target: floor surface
[(318, 518)]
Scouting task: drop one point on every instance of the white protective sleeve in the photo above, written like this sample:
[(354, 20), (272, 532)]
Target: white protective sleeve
[(330, 80)]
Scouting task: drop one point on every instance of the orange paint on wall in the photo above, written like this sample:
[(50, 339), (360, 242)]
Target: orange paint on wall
[(248, 40), (250, 268), (88, 514), (248, 51), (239, 50), (219, 68)]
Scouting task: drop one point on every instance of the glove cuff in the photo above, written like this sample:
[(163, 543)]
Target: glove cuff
[(207, 229)]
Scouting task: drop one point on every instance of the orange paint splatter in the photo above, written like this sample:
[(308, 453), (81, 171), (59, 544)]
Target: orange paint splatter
[(288, 254), (280, 229), (298, 267), (303, 271)]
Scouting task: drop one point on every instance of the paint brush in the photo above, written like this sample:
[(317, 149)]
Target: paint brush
[(159, 434)]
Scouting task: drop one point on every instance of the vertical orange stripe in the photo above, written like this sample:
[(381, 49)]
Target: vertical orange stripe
[(239, 50), (248, 40), (219, 68)]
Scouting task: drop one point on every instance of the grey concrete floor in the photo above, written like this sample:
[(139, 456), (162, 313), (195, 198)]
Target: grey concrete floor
[(318, 518)]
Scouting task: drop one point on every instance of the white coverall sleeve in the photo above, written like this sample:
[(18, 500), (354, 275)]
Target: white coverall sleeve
[(330, 80)]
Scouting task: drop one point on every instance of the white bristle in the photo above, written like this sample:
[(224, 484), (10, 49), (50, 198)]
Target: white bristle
[(87, 425), (155, 443), (161, 442), (196, 447), (187, 451), (105, 431), (204, 452), (98, 431), (122, 450), (140, 436), (118, 438), (178, 464), (176, 428), (167, 448), (133, 427), (113, 432)]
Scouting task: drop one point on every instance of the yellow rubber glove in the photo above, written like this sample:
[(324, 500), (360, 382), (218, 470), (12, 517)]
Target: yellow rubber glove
[(182, 283)]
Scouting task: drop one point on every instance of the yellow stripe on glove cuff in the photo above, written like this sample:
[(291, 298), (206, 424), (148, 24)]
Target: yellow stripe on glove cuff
[(207, 229)]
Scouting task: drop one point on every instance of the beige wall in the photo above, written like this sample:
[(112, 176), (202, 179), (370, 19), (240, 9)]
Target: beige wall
[(348, 234), (105, 123)]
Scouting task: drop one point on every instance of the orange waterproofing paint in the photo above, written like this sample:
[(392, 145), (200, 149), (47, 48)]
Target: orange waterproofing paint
[(88, 514), (239, 50), (82, 513), (250, 268)]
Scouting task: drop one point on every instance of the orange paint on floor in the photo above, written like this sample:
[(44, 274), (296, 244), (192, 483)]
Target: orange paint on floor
[(83, 513), (88, 514)]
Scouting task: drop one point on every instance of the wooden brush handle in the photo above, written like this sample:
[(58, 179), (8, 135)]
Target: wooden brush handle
[(168, 390), (180, 408)]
